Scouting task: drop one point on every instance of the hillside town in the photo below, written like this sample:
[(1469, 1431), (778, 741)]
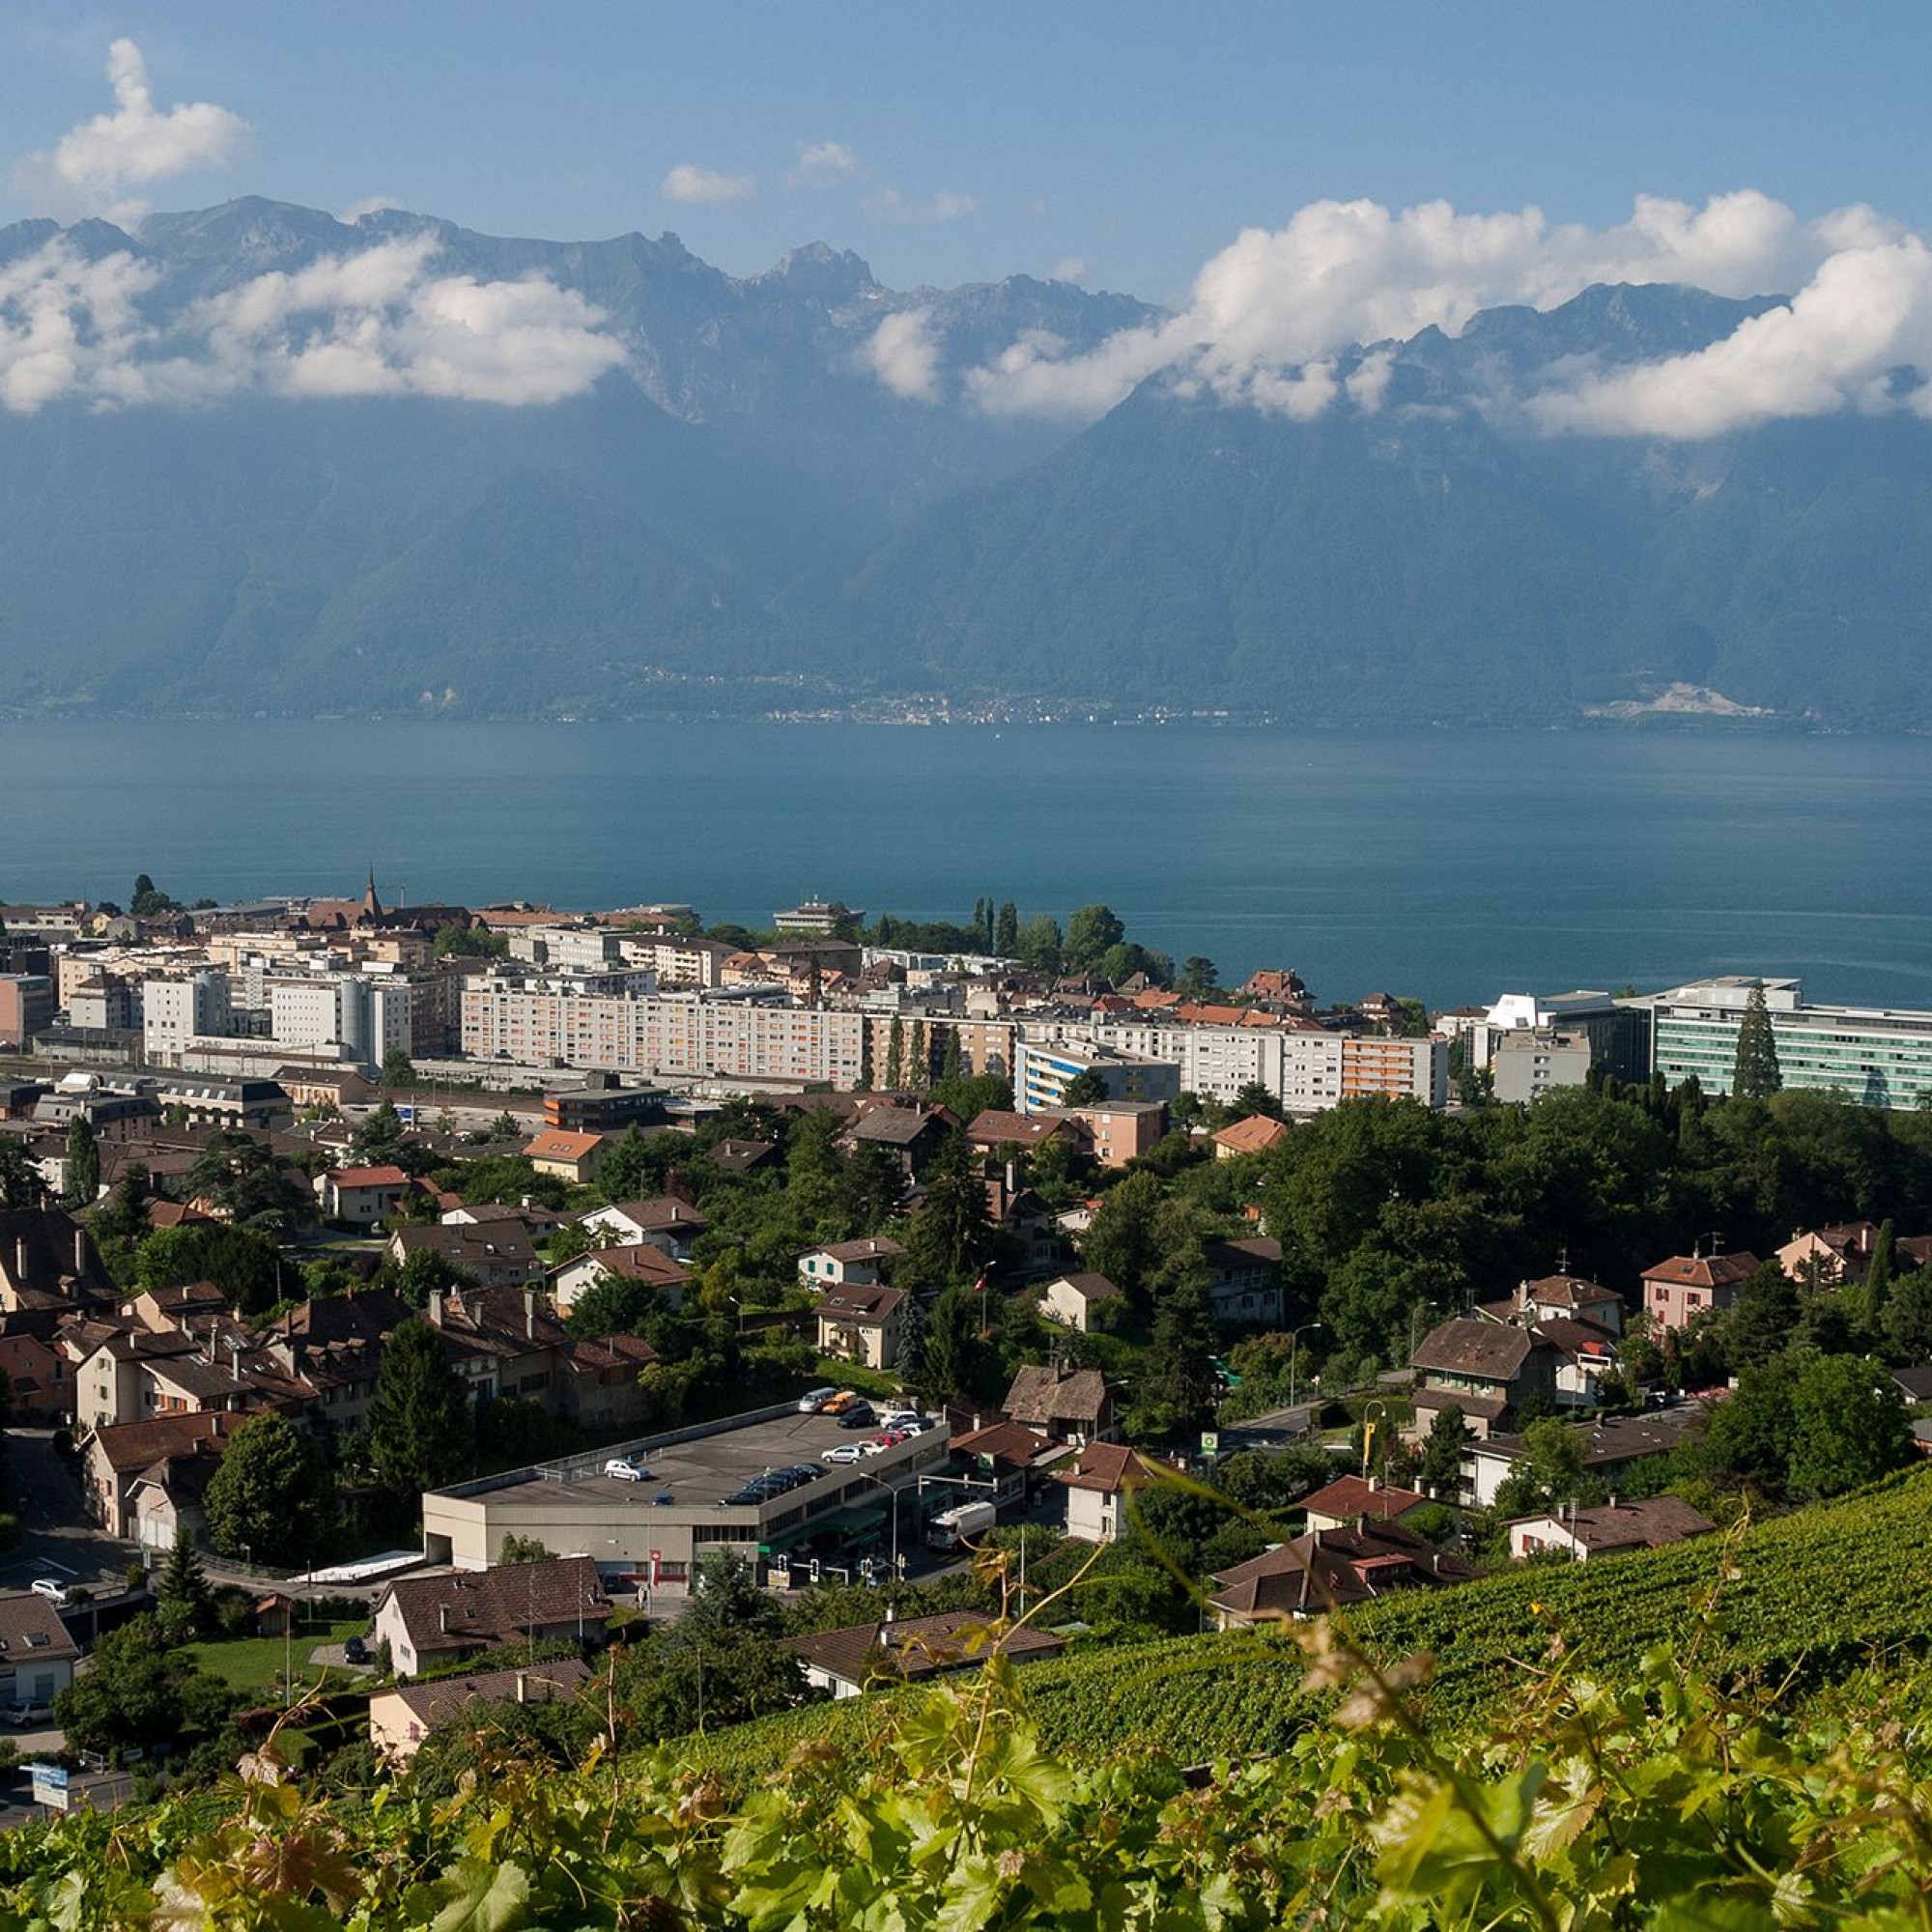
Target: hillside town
[(467, 1304)]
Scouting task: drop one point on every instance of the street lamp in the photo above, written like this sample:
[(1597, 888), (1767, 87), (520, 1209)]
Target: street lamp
[(1294, 1354), (1415, 1315)]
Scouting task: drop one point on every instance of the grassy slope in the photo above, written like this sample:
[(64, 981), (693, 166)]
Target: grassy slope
[(1816, 1593)]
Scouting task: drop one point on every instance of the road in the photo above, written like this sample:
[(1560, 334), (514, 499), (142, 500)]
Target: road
[(56, 1538)]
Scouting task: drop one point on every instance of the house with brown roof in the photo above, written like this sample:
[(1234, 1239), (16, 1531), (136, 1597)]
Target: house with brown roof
[(503, 1342), (858, 1263), (1685, 1286), (904, 1650), (1839, 1255), (1254, 1134), (1066, 1404), (1332, 1569), (113, 1460), (335, 1345), (1612, 1445), (40, 1386), (427, 1620), (37, 1655), (48, 1260), (650, 1266), (1609, 1528), (600, 1388), (999, 1131), (1079, 1300), (1484, 1367), (495, 1254), (363, 1195), (861, 1325), (1580, 1318), (911, 1135), (570, 1156), (1008, 1456), (403, 1716), (665, 1223), (1359, 1499), (1099, 1488)]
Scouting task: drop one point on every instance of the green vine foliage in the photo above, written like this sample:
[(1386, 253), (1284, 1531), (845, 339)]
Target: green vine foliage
[(1655, 1801)]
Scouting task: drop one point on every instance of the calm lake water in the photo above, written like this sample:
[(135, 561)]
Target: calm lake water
[(1447, 866)]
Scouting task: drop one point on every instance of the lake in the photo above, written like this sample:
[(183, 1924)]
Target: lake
[(1447, 866)]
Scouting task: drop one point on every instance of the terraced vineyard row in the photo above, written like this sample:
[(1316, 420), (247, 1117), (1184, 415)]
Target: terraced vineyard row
[(1816, 1593)]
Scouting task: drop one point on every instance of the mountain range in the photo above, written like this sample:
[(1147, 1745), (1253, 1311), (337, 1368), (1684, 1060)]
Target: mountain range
[(294, 465)]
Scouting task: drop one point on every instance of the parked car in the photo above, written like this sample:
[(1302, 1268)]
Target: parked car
[(46, 1586), (847, 1452), (27, 1716), (861, 1416), (902, 1418), (814, 1399), (625, 1470), (356, 1649)]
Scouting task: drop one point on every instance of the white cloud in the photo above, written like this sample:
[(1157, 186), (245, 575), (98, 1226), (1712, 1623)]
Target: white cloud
[(891, 203), (137, 143), (691, 184), (370, 204), (903, 353), (822, 164), (377, 322), (1268, 315), (1068, 269), (1837, 345)]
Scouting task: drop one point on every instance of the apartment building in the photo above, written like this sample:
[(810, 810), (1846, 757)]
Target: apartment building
[(1881, 1057)]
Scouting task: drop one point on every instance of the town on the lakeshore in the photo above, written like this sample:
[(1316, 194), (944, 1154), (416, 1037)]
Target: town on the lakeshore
[(456, 1299)]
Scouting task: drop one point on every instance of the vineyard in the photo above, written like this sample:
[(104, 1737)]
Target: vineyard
[(1809, 1596)]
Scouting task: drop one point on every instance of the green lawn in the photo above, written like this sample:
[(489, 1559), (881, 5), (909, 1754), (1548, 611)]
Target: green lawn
[(254, 1664)]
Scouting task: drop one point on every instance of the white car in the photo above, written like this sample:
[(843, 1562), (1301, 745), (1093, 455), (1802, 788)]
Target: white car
[(814, 1399), (847, 1452), (903, 1419), (625, 1472), (46, 1586)]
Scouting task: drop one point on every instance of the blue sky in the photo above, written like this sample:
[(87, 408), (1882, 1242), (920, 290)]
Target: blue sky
[(1124, 143)]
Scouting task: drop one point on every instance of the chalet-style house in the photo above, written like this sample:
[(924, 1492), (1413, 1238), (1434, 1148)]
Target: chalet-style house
[(902, 1650), (1070, 1406), (665, 1223), (429, 1620), (1676, 1291), (1079, 1300), (1099, 1489), (1486, 1369), (861, 1325), (644, 1263), (1332, 1569), (1608, 1528), (402, 1717), (858, 1263)]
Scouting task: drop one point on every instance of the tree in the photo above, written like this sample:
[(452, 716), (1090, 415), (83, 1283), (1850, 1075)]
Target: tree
[(1440, 1470), (1090, 932), (140, 1692), (611, 1305), (1870, 1296), (273, 1495), (1907, 1320), (919, 1060), (1085, 1089), (426, 1271), (83, 1163), (240, 1177), (1006, 931), (1258, 1098), (238, 1260), (1175, 1394), (183, 1593), (398, 1069), (1755, 1074), (1550, 1472), (953, 1360), (421, 1427), (1120, 1243), (895, 1054), (149, 901), (1197, 977), (1849, 1427), (1039, 945), (526, 1549), (21, 1183), (950, 1067), (947, 1239)]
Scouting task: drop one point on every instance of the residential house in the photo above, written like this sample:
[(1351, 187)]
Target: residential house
[(537, 1221), (860, 1263), (1486, 1369), (1359, 1499), (40, 1385), (48, 1260), (665, 1223), (1332, 1569), (114, 1458), (1840, 1256), (1612, 1445), (1099, 1489), (600, 1388), (335, 1345), (1117, 1132), (1583, 1321), (861, 1325), (999, 1131), (1244, 1284), (1080, 1300), (1069, 1405), (902, 1650), (402, 1717), (1685, 1286), (570, 1281), (1254, 1134), (363, 1195), (37, 1655), (169, 1498), (504, 1342), (427, 1620), (740, 1156), (1583, 1532), (495, 1255), (570, 1156), (1006, 1461), (911, 1135)]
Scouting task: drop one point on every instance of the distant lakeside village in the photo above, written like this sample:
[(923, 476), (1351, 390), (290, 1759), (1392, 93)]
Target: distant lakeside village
[(484, 1274)]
